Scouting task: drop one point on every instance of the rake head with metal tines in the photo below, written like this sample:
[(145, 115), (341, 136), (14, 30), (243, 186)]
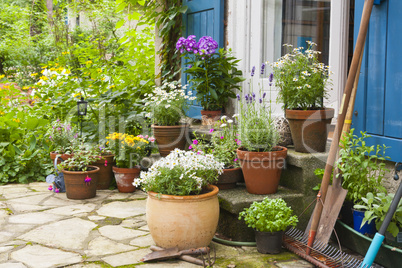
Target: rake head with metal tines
[(321, 255)]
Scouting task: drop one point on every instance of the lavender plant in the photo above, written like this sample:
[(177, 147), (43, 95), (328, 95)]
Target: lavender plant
[(214, 75), (256, 125)]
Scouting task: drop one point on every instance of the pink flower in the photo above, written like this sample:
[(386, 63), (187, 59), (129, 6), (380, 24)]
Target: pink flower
[(151, 139), (198, 153), (211, 130), (222, 137), (105, 163), (195, 142), (50, 188), (190, 147), (235, 160), (140, 136), (56, 190), (146, 136), (87, 180)]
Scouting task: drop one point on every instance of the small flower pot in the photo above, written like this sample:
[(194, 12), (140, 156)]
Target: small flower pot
[(357, 221), (125, 178), (229, 178), (309, 129), (76, 187), (105, 171), (169, 138), (262, 170), (210, 117), (269, 242)]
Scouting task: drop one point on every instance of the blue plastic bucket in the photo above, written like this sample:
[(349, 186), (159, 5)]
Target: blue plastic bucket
[(357, 222)]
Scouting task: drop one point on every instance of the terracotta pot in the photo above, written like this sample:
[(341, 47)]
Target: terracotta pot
[(125, 178), (62, 156), (262, 170), (183, 221), (229, 178), (309, 129), (105, 174), (210, 117), (169, 138), (76, 187)]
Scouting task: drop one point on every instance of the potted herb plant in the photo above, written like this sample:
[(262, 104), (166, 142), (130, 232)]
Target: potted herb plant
[(182, 205), (166, 107), (302, 80), (213, 75), (223, 144), (129, 150), (269, 219), (80, 178), (62, 137), (362, 169), (260, 158)]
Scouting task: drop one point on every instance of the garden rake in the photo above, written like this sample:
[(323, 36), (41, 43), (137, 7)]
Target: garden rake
[(305, 244)]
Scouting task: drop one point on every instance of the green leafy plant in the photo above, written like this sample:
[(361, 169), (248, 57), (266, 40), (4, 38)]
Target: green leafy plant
[(213, 75), (376, 208), (256, 127), (269, 215), (83, 156), (62, 137), (301, 78), (223, 143), (180, 173), (167, 105), (129, 150), (362, 167)]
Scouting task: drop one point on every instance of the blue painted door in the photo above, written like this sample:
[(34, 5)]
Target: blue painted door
[(203, 17), (378, 107)]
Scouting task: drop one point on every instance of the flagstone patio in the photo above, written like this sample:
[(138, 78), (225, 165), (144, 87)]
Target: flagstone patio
[(40, 229)]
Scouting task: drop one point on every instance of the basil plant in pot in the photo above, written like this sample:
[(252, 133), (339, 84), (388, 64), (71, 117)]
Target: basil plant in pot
[(269, 219), (362, 168), (212, 73), (166, 106), (80, 177), (223, 142), (302, 82), (182, 205), (128, 152), (260, 158)]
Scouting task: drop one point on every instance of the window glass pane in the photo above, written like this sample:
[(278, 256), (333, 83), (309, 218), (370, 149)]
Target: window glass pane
[(306, 20)]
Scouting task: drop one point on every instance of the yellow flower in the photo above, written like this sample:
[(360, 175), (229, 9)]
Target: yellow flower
[(99, 70), (44, 67), (88, 62), (1, 76), (77, 94), (1, 113), (66, 52), (34, 74), (90, 85), (112, 86), (103, 79), (25, 87), (68, 72), (16, 120), (44, 78)]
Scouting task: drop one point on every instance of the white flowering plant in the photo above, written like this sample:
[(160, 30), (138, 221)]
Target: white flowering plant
[(167, 104), (223, 143), (301, 78), (180, 173)]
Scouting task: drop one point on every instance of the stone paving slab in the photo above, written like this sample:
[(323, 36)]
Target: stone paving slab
[(39, 229)]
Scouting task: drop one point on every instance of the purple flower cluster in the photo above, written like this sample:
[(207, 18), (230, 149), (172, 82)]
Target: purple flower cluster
[(205, 46), (250, 98)]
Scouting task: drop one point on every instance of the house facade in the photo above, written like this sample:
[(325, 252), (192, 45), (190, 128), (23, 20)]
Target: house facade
[(256, 30)]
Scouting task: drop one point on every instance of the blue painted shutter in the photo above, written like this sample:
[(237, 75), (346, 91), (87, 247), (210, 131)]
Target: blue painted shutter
[(203, 17), (379, 93)]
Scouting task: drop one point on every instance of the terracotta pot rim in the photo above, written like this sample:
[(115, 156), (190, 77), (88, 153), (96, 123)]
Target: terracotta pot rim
[(175, 126), (166, 197), (325, 113), (278, 153), (126, 170), (82, 172)]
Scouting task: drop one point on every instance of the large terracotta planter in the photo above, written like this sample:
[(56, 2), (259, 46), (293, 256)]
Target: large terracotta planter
[(229, 178), (62, 156), (262, 170), (76, 187), (169, 138), (105, 174), (309, 129), (210, 117), (183, 221), (125, 178)]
